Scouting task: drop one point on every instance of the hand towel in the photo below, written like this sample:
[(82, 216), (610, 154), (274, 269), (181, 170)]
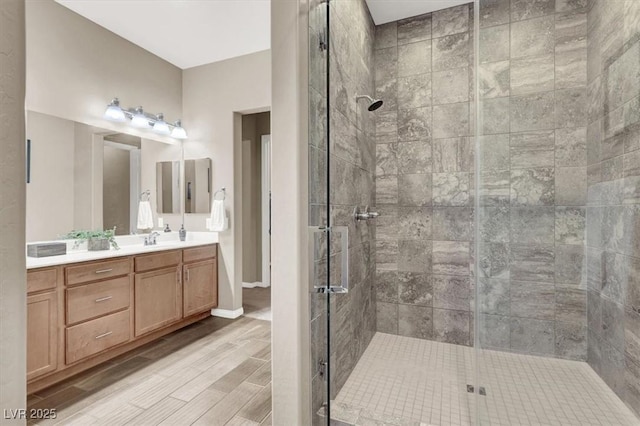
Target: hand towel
[(219, 220), (145, 215)]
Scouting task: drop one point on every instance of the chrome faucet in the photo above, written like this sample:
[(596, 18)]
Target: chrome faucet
[(151, 239)]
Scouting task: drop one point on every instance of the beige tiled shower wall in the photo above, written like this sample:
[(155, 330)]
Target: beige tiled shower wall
[(613, 202), (533, 176)]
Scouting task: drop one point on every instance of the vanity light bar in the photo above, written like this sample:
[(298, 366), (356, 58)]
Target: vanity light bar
[(144, 120)]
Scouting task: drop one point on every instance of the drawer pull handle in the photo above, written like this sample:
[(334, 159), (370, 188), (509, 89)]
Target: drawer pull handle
[(104, 271), (103, 299), (100, 336)]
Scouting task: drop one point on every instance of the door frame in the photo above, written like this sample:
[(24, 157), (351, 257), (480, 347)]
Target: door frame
[(266, 209)]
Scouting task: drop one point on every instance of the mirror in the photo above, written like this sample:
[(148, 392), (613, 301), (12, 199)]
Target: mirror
[(168, 186), (89, 178), (197, 185), (120, 181)]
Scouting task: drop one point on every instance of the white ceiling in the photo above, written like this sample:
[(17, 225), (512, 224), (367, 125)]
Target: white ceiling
[(383, 11), (186, 33)]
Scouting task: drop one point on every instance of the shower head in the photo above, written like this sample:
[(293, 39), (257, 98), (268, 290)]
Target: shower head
[(374, 104)]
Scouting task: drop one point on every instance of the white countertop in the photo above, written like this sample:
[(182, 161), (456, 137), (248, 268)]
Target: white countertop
[(129, 245)]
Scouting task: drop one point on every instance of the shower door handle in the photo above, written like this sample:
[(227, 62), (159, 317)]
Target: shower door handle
[(344, 258)]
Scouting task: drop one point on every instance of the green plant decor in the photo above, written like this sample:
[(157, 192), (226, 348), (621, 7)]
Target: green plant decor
[(81, 236)]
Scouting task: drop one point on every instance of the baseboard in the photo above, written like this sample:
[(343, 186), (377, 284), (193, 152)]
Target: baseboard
[(255, 284), (226, 313)]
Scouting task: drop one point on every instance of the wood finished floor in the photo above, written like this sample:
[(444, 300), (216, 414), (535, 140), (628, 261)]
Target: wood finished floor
[(214, 372)]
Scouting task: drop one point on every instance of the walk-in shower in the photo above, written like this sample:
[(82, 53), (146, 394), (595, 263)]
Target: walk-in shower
[(499, 283)]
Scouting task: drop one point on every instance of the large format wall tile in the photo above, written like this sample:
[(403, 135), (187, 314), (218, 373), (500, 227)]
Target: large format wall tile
[(494, 152), (414, 29), (414, 157), (451, 326), (494, 43), (532, 336), (532, 37), (532, 187), (494, 12), (532, 225), (532, 112), (532, 300), (413, 91), (451, 52), (532, 149), (414, 124), (415, 321), (527, 9), (532, 74), (494, 79), (449, 21), (451, 86), (414, 58)]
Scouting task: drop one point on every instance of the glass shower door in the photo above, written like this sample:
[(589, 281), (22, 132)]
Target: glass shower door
[(328, 245)]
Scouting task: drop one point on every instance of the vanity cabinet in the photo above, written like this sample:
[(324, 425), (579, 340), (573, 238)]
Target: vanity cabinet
[(200, 291), (200, 275), (158, 299), (83, 314), (42, 334)]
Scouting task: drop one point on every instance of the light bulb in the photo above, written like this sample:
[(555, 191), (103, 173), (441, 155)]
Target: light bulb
[(178, 131), (114, 112), (160, 126), (140, 120)]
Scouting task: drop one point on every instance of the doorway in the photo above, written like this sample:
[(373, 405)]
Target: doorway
[(256, 215), (120, 182)]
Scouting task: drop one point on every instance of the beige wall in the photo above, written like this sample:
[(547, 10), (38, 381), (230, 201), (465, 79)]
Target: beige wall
[(214, 95), (87, 177), (13, 289), (50, 203), (289, 274), (116, 189), (75, 67), (253, 127)]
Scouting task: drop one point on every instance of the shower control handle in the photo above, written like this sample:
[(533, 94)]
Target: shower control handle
[(365, 215), (358, 215)]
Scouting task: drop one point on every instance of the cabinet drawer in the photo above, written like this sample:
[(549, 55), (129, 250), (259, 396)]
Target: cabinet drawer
[(157, 261), (95, 336), (97, 271), (40, 280), (94, 300), (199, 253)]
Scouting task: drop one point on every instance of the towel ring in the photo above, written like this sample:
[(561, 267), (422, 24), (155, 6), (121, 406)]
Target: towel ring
[(224, 193), (145, 196)]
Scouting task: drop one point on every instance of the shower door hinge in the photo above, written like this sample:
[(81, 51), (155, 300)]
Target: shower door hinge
[(322, 368), (324, 44)]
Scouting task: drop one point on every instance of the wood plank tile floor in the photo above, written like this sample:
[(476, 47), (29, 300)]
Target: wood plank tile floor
[(214, 372)]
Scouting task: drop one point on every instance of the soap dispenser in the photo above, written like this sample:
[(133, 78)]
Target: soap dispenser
[(167, 229), (183, 233)]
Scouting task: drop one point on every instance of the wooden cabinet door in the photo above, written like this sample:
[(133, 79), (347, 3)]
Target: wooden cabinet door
[(42, 334), (200, 287), (158, 299)]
